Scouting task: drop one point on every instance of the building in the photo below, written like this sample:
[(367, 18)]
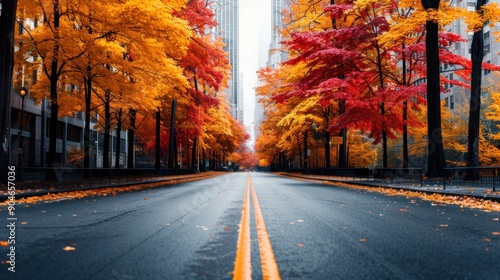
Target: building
[(227, 16), (491, 50), (29, 141), (276, 54)]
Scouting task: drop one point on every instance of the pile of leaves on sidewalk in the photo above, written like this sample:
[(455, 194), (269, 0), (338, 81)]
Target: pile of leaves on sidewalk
[(463, 201), (104, 191)]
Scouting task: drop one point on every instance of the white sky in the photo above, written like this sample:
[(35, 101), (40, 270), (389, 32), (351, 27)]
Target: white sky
[(254, 40)]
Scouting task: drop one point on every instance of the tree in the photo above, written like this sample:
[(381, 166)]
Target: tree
[(477, 53), (348, 65), (51, 45), (7, 21)]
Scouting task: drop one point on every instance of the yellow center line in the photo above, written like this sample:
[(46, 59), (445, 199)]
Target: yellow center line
[(267, 259), (243, 264)]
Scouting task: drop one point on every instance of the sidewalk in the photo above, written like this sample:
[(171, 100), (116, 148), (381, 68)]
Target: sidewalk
[(82, 186), (428, 186)]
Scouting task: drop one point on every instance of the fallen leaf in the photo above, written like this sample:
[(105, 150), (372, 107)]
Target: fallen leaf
[(24, 223), (69, 248), (300, 245), (4, 243), (362, 240), (146, 198), (226, 228), (496, 233)]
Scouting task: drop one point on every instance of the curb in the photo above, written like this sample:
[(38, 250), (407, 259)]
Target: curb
[(5, 197), (368, 184)]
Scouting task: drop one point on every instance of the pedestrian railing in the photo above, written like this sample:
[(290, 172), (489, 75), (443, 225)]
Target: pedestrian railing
[(414, 175), (341, 173), (472, 177)]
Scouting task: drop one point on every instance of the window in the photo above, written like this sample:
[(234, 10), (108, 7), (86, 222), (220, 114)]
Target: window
[(34, 77), (471, 6), (487, 42), (59, 131), (26, 119), (74, 133)]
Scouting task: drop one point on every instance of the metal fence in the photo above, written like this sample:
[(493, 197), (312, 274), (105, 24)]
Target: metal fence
[(341, 173), (413, 175), (472, 177), (386, 175)]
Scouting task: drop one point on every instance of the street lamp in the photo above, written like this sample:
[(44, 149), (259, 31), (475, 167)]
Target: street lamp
[(22, 92)]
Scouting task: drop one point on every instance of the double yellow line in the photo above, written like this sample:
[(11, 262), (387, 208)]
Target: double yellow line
[(243, 266)]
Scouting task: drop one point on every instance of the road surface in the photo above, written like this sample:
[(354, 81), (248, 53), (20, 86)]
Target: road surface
[(192, 231)]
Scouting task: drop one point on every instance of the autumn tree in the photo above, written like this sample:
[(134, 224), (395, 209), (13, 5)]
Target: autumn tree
[(349, 66), (52, 45), (7, 22)]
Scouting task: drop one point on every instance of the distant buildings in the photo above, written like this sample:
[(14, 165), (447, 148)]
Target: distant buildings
[(275, 54), (227, 16)]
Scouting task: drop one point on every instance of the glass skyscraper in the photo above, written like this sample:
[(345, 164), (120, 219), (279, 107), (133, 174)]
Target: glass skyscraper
[(228, 20)]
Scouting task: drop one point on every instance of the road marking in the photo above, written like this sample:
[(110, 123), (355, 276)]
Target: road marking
[(243, 264), (267, 259)]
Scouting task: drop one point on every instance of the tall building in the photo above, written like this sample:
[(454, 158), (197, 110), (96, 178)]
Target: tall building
[(275, 54), (227, 16), (491, 50)]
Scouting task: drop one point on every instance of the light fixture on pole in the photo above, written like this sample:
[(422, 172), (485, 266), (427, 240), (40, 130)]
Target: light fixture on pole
[(22, 92)]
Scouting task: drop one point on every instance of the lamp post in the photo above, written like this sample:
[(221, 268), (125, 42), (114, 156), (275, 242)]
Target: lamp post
[(22, 92), (96, 150)]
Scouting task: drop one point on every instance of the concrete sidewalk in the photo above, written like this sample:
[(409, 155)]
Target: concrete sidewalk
[(428, 186), (109, 184)]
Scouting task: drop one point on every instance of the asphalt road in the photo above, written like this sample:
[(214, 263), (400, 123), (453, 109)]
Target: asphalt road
[(190, 231)]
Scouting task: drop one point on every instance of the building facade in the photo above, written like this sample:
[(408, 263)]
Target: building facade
[(227, 16)]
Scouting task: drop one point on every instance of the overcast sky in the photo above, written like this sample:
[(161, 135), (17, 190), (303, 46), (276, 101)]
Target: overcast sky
[(254, 37)]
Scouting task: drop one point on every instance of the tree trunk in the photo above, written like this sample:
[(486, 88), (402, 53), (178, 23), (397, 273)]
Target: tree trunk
[(305, 150), (477, 51), (7, 23), (157, 142), (130, 139), (107, 129), (343, 149), (54, 106), (435, 159), (327, 150), (193, 153), (118, 147), (87, 81), (405, 114), (171, 144), (382, 108)]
